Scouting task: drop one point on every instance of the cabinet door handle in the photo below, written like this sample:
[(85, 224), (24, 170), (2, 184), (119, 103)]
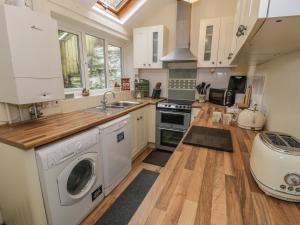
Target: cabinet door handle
[(220, 62), (141, 117), (149, 64), (144, 64), (241, 30), (213, 63), (138, 119), (36, 28)]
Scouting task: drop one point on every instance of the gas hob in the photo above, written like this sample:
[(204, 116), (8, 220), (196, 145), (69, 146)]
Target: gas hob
[(178, 105)]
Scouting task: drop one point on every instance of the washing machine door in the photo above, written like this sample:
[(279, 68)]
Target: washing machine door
[(78, 178)]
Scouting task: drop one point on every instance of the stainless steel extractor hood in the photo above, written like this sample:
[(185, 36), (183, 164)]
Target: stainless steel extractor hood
[(182, 51)]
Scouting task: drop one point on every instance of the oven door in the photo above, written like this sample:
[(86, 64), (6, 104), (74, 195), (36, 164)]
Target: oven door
[(168, 139), (173, 119)]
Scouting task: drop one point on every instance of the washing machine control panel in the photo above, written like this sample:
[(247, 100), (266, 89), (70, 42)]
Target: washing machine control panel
[(70, 148)]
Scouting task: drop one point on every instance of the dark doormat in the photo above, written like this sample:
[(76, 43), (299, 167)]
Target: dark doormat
[(158, 157), (213, 138), (121, 211)]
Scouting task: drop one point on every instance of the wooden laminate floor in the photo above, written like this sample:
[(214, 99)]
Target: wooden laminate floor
[(137, 167), (200, 186)]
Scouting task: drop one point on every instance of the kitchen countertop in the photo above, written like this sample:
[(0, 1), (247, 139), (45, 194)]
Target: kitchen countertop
[(208, 187), (32, 134)]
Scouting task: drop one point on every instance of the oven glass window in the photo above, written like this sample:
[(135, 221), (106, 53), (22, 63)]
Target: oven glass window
[(170, 138), (80, 177), (171, 118)]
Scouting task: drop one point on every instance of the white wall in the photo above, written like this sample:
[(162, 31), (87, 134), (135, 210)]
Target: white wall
[(282, 93)]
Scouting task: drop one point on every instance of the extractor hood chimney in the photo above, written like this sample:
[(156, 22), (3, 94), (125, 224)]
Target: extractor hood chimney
[(182, 51)]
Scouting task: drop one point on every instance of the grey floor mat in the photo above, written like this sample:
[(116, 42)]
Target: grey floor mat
[(213, 138), (121, 211), (158, 157)]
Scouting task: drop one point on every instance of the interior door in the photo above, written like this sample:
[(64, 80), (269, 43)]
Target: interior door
[(208, 42), (226, 31), (140, 48)]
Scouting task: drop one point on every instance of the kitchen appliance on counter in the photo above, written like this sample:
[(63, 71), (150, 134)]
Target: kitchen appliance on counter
[(251, 119), (275, 165), (173, 118), (156, 91), (237, 84), (222, 96)]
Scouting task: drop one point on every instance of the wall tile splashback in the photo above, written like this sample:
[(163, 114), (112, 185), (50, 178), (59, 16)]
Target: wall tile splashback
[(182, 83)]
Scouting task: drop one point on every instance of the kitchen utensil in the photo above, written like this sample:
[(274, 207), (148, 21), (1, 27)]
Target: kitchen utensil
[(156, 91), (246, 101), (206, 88), (251, 119)]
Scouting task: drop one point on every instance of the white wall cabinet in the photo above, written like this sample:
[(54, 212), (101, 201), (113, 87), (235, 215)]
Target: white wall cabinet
[(215, 39), (139, 132), (246, 16), (30, 64), (149, 45), (264, 29)]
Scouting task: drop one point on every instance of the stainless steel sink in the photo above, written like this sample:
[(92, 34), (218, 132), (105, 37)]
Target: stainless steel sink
[(112, 108), (108, 111), (123, 104)]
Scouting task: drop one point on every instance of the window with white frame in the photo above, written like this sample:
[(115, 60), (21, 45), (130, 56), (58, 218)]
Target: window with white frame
[(89, 61)]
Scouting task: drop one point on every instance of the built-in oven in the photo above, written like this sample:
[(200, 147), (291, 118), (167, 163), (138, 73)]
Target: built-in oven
[(167, 139), (173, 119)]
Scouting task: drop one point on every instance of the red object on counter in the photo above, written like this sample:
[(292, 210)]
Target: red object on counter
[(125, 84)]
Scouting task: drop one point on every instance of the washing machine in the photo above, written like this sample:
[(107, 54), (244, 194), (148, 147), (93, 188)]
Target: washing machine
[(71, 177)]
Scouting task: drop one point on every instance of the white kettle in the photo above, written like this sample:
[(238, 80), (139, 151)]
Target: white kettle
[(251, 119)]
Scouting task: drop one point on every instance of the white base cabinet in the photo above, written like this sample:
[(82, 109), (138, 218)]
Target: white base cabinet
[(139, 131), (149, 45), (151, 121), (30, 63), (215, 39)]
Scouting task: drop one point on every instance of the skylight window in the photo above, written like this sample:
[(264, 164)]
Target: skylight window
[(113, 3), (115, 6), (118, 10)]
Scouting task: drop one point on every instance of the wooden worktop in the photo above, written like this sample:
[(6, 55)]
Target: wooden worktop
[(208, 187), (32, 134)]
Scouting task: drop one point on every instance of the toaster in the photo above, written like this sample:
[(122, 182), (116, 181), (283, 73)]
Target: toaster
[(275, 165)]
